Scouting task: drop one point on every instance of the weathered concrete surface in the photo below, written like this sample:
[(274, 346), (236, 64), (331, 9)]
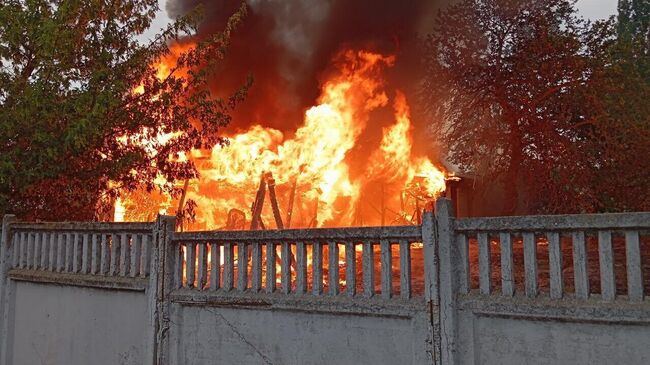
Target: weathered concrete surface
[(208, 335), (487, 339), (63, 325)]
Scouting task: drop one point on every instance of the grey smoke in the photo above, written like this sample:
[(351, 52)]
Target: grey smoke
[(288, 44)]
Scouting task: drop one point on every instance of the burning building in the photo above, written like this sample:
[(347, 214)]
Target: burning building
[(327, 127)]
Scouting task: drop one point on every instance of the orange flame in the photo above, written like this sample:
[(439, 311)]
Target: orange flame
[(314, 162)]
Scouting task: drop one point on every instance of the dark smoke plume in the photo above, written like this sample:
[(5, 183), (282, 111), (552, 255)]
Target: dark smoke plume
[(287, 45)]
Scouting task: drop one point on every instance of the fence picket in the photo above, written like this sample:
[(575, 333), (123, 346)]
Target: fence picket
[(242, 266), (317, 268), (136, 251), (633, 264), (333, 268), (350, 269), (270, 267), (580, 273), (405, 269), (202, 266), (95, 253), (286, 267), (484, 263), (555, 265), (386, 269), (606, 263), (256, 280), (190, 266), (368, 270), (507, 277), (229, 266), (301, 266), (125, 252), (530, 264)]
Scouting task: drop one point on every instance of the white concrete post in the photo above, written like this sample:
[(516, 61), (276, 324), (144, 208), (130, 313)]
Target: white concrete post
[(431, 288), (163, 261), (7, 289), (448, 280)]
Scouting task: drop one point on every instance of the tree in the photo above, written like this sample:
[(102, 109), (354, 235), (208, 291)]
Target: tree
[(84, 113), (516, 92)]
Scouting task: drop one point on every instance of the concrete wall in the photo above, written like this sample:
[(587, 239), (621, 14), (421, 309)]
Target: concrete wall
[(552, 334), (231, 335), (67, 325)]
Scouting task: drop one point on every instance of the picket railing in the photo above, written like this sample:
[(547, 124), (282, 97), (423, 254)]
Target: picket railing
[(340, 261), (106, 249), (568, 244)]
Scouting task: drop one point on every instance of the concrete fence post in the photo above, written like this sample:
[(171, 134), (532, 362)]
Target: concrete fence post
[(431, 288), (7, 289), (163, 261), (448, 280)]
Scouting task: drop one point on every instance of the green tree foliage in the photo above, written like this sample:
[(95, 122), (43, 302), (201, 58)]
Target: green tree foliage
[(526, 94), (67, 79)]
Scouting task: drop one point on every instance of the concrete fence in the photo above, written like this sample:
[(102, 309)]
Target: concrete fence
[(508, 290)]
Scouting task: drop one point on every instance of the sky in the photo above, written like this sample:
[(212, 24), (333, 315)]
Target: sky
[(590, 9)]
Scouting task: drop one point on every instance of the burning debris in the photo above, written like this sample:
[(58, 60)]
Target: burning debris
[(321, 171)]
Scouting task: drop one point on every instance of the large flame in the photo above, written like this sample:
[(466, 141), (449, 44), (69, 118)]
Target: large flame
[(312, 167)]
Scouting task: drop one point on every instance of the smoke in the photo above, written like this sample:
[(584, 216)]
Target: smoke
[(287, 45)]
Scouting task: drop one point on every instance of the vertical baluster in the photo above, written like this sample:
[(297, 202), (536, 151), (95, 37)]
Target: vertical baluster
[(581, 275), (405, 269), (286, 267), (85, 257), (484, 263), (270, 267), (60, 252), (76, 252), (45, 240), (115, 246), (317, 268), (105, 259), (95, 253), (181, 266), (350, 269), (69, 251), (16, 250), (530, 264), (125, 251), (555, 265), (368, 270), (24, 242), (190, 259), (145, 256), (203, 265), (30, 250), (463, 250), (52, 252), (136, 249), (386, 269), (507, 278), (301, 275), (229, 266), (333, 267), (606, 263), (215, 266), (257, 266), (15, 245), (242, 266), (633, 263), (36, 253)]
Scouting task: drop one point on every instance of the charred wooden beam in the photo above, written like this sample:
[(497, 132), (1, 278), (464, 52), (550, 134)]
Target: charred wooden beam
[(274, 201), (258, 204)]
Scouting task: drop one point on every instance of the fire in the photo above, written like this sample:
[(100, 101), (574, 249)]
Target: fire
[(314, 164)]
